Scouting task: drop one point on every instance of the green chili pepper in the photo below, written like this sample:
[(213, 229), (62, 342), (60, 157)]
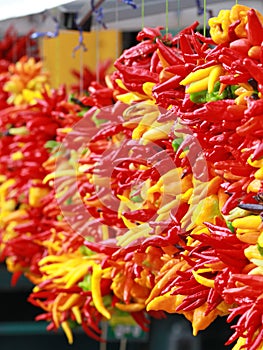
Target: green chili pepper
[(204, 96), (176, 143)]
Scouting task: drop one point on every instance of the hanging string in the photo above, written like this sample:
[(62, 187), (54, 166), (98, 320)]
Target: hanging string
[(57, 55), (117, 33), (178, 19), (81, 72), (81, 44), (204, 17), (82, 48), (166, 16), (97, 54), (203, 11), (142, 13)]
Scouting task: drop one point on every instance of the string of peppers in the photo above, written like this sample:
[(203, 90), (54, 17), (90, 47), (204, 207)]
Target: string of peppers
[(180, 230)]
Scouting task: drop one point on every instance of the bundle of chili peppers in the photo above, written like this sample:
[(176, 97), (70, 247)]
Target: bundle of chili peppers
[(14, 46), (152, 205)]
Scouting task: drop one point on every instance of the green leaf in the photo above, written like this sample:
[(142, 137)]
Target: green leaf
[(176, 143), (85, 251), (230, 226), (260, 249), (85, 284), (51, 144)]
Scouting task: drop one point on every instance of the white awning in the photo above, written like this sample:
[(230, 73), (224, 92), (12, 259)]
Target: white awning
[(20, 8)]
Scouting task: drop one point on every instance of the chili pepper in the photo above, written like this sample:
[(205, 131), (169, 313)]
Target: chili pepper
[(186, 30), (254, 108), (242, 46), (231, 30), (135, 74), (258, 153), (96, 291), (254, 69), (253, 124), (255, 281), (144, 48), (168, 53), (185, 306), (108, 130), (254, 28), (186, 47), (219, 26), (141, 320), (169, 84), (91, 333), (149, 33), (154, 62), (101, 248), (255, 52), (198, 47)]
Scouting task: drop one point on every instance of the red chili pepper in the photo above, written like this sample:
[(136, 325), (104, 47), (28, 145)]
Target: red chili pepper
[(231, 30), (136, 74), (253, 124), (141, 320), (254, 28), (144, 214), (204, 39), (188, 306), (90, 332), (154, 62), (199, 48), (145, 48), (107, 248), (254, 69), (254, 107), (169, 84), (149, 33), (180, 69), (186, 30), (258, 153), (186, 47), (168, 54)]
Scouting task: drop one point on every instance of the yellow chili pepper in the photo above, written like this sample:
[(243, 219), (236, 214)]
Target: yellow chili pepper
[(254, 186), (71, 301), (157, 132), (247, 236), (216, 72), (201, 320), (197, 75), (77, 314), (239, 12), (260, 239), (96, 291), (219, 27), (203, 280), (252, 252), (259, 174), (134, 307), (251, 222), (165, 302), (35, 195), (242, 98), (66, 328), (197, 86)]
